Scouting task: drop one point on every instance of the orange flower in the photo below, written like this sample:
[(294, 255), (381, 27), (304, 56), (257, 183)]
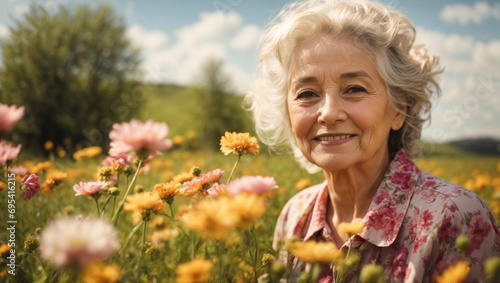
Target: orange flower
[(248, 208), (355, 227), (41, 166), (90, 152), (165, 190), (312, 251), (211, 218), (456, 273), (302, 184), (144, 201), (161, 236), (183, 177), (4, 248), (238, 143), (195, 271), (98, 272)]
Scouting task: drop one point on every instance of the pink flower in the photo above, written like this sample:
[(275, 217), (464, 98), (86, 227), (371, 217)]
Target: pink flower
[(19, 170), (89, 188), (216, 190), (252, 184), (139, 137), (29, 186), (8, 152), (9, 116), (119, 161), (68, 241), (197, 183)]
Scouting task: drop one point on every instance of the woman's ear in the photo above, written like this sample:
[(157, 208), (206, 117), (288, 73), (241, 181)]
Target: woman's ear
[(399, 119)]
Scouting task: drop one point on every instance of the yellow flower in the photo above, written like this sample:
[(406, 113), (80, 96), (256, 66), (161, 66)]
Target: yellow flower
[(238, 143), (211, 218), (161, 236), (302, 184), (178, 140), (48, 145), (158, 223), (2, 185), (57, 176), (4, 248), (314, 252), (165, 190), (41, 166), (195, 271), (183, 177), (248, 208), (60, 151), (98, 272), (144, 201), (90, 152), (456, 273), (355, 227)]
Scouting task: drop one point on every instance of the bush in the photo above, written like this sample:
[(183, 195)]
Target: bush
[(72, 71)]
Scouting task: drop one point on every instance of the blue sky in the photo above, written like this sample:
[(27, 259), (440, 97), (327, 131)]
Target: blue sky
[(178, 36)]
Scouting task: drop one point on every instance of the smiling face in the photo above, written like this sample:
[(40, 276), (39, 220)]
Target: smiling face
[(338, 104)]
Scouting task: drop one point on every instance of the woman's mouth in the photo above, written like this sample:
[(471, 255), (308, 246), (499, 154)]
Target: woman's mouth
[(333, 138)]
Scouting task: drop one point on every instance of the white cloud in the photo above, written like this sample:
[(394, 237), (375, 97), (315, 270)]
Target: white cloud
[(147, 40), (470, 83), (246, 38), (4, 31), (464, 14), (214, 35), (21, 9)]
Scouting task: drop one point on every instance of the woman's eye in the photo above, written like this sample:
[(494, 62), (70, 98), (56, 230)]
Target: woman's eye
[(306, 94), (355, 89)]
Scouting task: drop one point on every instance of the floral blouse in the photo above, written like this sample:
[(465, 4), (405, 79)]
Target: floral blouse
[(410, 228)]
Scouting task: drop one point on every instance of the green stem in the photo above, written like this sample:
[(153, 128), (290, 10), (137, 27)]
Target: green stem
[(144, 234), (97, 205), (234, 168), (104, 206), (114, 220), (255, 253), (171, 211), (131, 234), (114, 204)]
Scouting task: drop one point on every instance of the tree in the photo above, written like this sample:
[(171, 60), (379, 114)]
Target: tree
[(73, 71), (221, 110)]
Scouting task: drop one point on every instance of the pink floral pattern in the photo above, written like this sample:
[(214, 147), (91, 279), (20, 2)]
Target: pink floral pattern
[(410, 228)]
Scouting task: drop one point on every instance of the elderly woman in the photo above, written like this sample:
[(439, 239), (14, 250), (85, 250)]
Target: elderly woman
[(342, 83)]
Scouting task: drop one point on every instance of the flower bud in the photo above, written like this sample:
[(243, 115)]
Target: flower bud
[(31, 244), (463, 243), (492, 268), (128, 170), (195, 171), (69, 210), (268, 259), (138, 189), (372, 273), (153, 253), (277, 269), (114, 191), (105, 173)]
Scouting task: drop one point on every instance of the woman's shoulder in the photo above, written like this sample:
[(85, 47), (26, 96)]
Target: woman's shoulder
[(433, 190)]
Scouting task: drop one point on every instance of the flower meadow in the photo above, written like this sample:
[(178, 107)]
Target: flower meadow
[(152, 209)]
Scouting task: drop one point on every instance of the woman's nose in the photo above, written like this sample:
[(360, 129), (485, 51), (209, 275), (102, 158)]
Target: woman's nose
[(332, 110)]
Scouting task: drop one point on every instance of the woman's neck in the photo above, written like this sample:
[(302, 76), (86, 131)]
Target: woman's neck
[(352, 190)]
